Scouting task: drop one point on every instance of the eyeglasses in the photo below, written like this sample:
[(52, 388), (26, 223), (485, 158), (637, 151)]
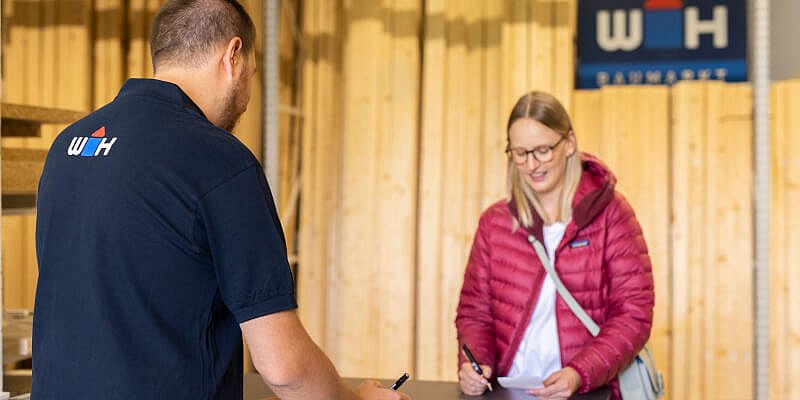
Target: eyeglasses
[(542, 154)]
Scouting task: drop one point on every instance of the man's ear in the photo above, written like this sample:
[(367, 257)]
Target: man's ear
[(233, 58)]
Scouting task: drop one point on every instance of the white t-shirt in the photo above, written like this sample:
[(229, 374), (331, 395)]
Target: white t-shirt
[(539, 353)]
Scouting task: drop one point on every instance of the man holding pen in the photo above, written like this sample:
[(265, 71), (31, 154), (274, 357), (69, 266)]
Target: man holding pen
[(158, 241)]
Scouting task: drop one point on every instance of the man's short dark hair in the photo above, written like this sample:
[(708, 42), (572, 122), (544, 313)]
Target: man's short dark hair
[(185, 31)]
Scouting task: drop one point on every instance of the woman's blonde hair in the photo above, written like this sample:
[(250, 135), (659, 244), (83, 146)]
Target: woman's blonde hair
[(547, 110)]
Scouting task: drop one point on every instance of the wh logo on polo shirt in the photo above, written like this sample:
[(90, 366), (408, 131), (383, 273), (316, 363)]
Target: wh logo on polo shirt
[(91, 146)]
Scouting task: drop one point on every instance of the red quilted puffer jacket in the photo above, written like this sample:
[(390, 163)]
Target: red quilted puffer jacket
[(602, 260)]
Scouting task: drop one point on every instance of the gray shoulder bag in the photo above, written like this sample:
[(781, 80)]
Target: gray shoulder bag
[(640, 380)]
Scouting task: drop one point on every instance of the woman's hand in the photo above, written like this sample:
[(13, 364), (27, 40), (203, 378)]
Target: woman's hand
[(471, 383), (561, 385)]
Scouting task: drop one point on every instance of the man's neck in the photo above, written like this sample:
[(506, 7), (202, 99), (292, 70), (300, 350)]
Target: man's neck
[(195, 85)]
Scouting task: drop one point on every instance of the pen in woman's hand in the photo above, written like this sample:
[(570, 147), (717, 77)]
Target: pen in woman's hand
[(396, 385), (477, 368)]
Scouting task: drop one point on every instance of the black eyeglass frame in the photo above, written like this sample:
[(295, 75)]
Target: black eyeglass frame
[(533, 152)]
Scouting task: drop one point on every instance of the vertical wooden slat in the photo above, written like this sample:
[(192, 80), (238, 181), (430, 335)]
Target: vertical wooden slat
[(494, 114), (563, 53), (140, 15), (353, 283), (429, 359), (731, 179), (688, 194), (540, 41), (587, 116), (109, 65), (785, 234), (516, 52), (379, 153), (322, 147), (779, 285), (456, 132), (397, 153), (792, 217)]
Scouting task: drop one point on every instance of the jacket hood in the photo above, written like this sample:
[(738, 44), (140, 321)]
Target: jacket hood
[(594, 192)]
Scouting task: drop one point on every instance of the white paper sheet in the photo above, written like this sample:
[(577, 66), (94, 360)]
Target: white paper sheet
[(521, 382)]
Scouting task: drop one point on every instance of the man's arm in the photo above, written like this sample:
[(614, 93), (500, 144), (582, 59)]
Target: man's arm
[(294, 367)]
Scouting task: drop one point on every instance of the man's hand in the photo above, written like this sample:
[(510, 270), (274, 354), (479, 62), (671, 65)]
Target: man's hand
[(471, 383), (372, 390), (561, 385)]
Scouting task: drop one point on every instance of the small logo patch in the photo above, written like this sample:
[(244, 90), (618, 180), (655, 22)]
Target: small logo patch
[(579, 243), (94, 146)]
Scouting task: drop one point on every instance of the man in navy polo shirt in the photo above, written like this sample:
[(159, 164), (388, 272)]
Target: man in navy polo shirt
[(158, 241)]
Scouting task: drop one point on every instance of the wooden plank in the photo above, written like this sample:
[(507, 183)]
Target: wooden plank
[(565, 16), (453, 160), (73, 68), (429, 314), (109, 66), (139, 17), (356, 289), (19, 128), (688, 182), (494, 114), (47, 115), (587, 117), (13, 263), (792, 218), (779, 283), (541, 41), (731, 143), (311, 269), (516, 52), (21, 170), (710, 386), (18, 204), (396, 157)]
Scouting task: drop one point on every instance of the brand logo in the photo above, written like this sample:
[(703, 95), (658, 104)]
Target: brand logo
[(660, 41), (96, 145), (579, 243), (662, 24)]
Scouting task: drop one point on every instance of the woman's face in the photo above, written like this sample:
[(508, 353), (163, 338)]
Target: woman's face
[(531, 141)]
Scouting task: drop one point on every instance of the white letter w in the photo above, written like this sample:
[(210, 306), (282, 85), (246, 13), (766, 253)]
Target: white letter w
[(618, 40), (76, 146)]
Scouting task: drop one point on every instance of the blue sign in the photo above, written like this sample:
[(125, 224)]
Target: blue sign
[(623, 42)]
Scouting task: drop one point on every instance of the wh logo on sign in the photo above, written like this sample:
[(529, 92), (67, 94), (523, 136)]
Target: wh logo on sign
[(91, 146), (629, 30)]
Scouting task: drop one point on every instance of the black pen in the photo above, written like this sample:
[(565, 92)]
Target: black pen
[(396, 385), (475, 367)]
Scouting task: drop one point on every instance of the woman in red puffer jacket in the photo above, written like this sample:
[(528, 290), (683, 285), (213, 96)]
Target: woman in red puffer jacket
[(509, 314)]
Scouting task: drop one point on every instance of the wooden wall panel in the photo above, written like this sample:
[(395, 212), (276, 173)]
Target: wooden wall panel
[(628, 128), (321, 155), (379, 203), (432, 347), (688, 194), (785, 240), (730, 221), (712, 202), (110, 68)]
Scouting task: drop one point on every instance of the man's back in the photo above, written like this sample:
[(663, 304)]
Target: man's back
[(156, 237)]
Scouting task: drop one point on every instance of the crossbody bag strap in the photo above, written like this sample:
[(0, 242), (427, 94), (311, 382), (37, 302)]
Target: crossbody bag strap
[(562, 290)]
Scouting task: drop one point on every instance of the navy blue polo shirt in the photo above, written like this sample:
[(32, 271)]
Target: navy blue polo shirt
[(156, 237)]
